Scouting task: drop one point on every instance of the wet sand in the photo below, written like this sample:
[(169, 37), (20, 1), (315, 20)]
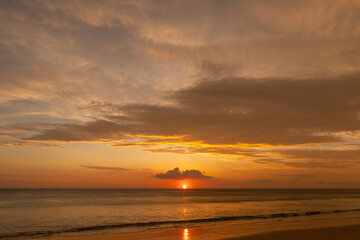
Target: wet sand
[(330, 233), (313, 230)]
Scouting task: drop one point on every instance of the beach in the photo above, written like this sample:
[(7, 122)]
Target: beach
[(333, 233), (234, 232), (345, 226), (192, 214)]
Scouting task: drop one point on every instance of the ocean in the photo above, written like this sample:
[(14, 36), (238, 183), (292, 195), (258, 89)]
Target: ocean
[(37, 213)]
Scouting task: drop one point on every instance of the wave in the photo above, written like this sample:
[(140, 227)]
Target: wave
[(11, 204), (172, 222)]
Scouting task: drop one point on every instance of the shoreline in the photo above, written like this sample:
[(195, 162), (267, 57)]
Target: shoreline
[(329, 229), (347, 232)]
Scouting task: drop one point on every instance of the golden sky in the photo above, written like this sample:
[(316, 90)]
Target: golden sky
[(157, 94)]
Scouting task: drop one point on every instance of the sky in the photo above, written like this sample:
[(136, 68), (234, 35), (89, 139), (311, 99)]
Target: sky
[(157, 94)]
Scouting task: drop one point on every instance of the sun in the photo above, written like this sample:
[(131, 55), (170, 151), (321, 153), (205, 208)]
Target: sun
[(184, 186)]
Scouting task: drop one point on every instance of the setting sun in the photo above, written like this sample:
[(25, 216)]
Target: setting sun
[(184, 186)]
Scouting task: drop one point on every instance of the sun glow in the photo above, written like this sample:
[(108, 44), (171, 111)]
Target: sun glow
[(184, 186)]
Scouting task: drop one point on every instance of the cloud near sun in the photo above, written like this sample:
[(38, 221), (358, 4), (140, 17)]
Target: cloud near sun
[(177, 174)]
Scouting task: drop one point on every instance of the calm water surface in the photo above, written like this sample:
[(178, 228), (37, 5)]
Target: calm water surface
[(43, 212)]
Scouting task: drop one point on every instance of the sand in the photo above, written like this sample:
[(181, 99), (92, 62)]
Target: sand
[(230, 232), (330, 233), (342, 227)]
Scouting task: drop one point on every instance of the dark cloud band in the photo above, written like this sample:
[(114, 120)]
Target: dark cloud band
[(177, 174), (232, 111)]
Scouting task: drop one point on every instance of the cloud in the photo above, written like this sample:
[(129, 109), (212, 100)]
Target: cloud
[(177, 174), (233, 76), (11, 140), (314, 38), (99, 130), (239, 151), (233, 111), (309, 164), (107, 168), (321, 154), (313, 158), (90, 35), (115, 169)]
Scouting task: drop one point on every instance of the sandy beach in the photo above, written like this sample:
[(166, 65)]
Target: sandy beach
[(330, 233), (347, 229), (351, 232)]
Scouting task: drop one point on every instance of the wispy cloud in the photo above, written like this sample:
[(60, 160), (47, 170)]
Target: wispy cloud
[(107, 168), (119, 169)]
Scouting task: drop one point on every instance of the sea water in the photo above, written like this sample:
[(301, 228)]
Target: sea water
[(29, 213)]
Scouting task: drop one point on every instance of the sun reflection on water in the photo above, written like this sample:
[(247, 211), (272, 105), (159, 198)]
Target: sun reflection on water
[(186, 234)]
